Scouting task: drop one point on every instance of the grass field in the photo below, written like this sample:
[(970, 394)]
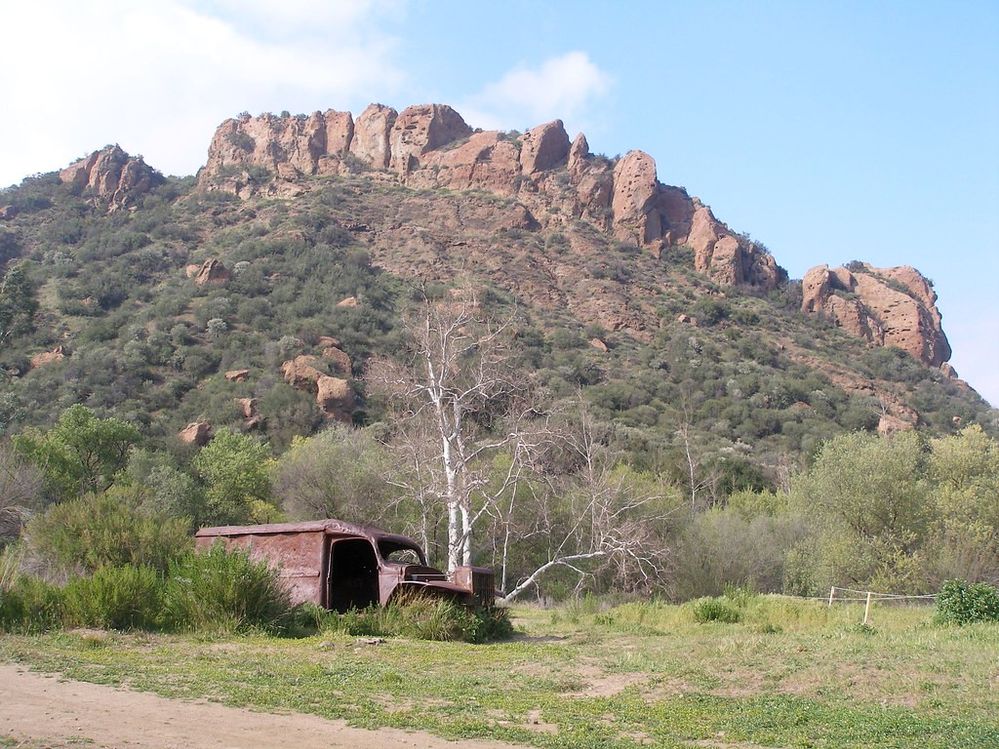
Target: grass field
[(789, 674)]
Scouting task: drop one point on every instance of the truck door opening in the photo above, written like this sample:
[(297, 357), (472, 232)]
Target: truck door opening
[(353, 575)]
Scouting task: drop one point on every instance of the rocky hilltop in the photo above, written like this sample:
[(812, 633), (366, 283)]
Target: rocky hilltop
[(555, 181), (431, 146)]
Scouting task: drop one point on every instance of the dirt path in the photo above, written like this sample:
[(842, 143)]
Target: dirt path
[(40, 710)]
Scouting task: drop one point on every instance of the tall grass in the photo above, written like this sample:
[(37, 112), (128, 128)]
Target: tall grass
[(416, 617)]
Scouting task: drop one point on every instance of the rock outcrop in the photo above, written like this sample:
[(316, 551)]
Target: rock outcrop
[(212, 273), (420, 129), (196, 433), (431, 146), (334, 395), (115, 178), (48, 357), (370, 143), (885, 306)]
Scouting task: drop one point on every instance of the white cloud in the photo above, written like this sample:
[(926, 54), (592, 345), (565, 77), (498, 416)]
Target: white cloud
[(158, 77), (563, 87)]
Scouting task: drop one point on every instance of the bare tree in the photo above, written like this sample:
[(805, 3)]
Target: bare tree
[(458, 399), (598, 515)]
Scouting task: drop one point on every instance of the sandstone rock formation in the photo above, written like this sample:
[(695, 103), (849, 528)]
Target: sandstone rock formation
[(248, 408), (885, 306), (115, 178), (339, 360), (196, 433), (48, 357), (371, 135), (544, 147), (420, 129), (334, 395), (212, 273), (431, 146), (237, 375)]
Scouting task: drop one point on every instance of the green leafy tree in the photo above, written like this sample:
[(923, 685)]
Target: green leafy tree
[(236, 469), (341, 473), (81, 453), (964, 469), (868, 502)]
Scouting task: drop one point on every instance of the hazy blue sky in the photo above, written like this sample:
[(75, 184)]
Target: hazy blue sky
[(830, 132)]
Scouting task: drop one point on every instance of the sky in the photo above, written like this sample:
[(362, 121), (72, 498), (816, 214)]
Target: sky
[(828, 131)]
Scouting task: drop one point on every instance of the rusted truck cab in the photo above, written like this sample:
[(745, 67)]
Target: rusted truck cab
[(341, 565)]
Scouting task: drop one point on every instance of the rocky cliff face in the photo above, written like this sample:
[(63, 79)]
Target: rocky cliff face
[(115, 178), (885, 306), (431, 146)]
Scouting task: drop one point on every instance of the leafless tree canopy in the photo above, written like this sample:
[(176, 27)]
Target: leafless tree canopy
[(20, 490), (480, 450)]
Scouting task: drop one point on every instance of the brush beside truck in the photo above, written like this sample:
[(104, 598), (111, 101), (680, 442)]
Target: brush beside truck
[(340, 565)]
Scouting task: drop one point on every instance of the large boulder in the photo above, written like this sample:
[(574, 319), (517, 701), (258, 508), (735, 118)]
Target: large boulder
[(48, 357), (544, 147), (635, 191), (197, 433), (212, 273), (335, 398)]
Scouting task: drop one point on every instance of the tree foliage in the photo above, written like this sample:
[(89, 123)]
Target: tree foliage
[(81, 453)]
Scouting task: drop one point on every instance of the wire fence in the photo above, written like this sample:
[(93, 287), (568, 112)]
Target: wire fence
[(867, 597)]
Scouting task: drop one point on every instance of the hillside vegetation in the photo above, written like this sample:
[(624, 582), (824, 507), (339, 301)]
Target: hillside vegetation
[(270, 339)]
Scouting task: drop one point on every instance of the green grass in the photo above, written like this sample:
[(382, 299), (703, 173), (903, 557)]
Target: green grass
[(789, 674)]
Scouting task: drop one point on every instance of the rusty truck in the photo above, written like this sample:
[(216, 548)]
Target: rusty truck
[(339, 565)]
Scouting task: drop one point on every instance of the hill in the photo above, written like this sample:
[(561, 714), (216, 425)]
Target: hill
[(253, 294)]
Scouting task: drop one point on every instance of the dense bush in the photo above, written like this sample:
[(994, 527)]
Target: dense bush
[(224, 591), (127, 597), (31, 605), (960, 602), (85, 534)]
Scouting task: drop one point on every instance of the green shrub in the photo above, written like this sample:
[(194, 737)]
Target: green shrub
[(105, 530), (128, 597), (31, 605), (961, 602), (219, 590), (716, 610)]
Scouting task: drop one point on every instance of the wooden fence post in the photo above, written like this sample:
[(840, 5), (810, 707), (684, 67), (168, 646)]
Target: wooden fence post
[(867, 608)]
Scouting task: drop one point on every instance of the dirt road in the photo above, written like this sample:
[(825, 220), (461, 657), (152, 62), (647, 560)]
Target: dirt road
[(43, 711)]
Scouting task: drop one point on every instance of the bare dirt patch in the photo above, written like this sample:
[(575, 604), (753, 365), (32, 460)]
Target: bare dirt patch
[(37, 709), (599, 683)]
